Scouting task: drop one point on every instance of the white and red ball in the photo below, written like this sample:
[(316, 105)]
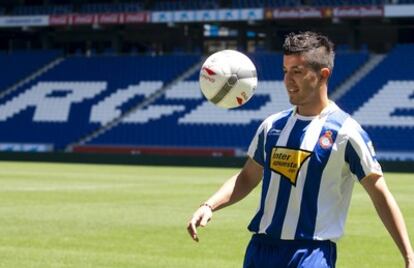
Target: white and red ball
[(228, 78)]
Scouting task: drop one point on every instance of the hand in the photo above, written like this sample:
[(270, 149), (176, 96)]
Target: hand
[(200, 218)]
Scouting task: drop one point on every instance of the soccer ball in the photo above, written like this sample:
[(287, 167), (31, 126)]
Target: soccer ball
[(228, 78)]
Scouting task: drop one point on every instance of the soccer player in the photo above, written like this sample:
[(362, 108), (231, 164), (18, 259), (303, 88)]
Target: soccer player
[(307, 158)]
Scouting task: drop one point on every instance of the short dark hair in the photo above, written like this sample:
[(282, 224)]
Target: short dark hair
[(317, 49)]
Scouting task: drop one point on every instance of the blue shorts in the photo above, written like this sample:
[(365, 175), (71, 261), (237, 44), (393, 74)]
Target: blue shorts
[(265, 252)]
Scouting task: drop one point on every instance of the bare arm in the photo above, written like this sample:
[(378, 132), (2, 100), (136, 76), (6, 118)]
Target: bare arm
[(390, 214), (232, 191)]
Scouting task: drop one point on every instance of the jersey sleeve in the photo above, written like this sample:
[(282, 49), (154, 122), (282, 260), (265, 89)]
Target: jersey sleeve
[(256, 148), (360, 154)]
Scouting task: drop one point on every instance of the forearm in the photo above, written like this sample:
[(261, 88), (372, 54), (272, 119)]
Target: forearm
[(393, 220), (238, 186), (390, 214), (232, 191)]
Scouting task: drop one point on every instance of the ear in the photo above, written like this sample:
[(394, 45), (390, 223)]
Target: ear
[(325, 73)]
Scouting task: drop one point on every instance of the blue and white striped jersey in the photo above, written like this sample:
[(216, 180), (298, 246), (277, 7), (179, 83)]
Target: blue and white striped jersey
[(310, 165)]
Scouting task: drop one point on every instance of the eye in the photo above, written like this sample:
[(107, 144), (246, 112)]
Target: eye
[(297, 71)]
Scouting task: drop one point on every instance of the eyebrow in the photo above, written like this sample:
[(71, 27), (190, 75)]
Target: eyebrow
[(294, 67)]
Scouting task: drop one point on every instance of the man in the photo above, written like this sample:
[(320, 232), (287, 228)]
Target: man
[(308, 158)]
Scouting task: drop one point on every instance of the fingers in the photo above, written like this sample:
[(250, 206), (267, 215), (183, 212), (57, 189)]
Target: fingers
[(192, 229), (200, 218), (205, 219)]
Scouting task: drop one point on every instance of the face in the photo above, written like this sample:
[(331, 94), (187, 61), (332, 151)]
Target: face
[(302, 83)]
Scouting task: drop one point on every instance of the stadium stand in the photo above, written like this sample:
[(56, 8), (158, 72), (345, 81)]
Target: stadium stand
[(193, 122), (55, 108), (185, 5), (111, 8), (346, 63), (374, 102), (183, 118), (20, 64), (42, 10), (170, 5)]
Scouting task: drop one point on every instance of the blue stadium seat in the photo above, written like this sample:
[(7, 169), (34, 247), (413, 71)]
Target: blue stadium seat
[(42, 10), (181, 116), (392, 130), (346, 64), (171, 5), (18, 65), (39, 107), (192, 122), (185, 5), (111, 8)]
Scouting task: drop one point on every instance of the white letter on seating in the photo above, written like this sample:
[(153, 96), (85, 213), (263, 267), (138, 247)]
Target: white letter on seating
[(207, 113), (49, 108), (109, 108)]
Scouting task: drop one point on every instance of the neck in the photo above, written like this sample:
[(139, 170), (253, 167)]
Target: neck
[(314, 108)]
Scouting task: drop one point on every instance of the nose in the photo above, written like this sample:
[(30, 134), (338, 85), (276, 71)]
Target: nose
[(287, 77)]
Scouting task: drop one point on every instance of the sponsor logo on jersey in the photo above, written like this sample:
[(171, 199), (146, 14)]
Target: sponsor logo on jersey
[(326, 141), (287, 162)]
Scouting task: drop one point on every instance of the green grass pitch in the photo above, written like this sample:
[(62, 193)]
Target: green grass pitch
[(71, 215)]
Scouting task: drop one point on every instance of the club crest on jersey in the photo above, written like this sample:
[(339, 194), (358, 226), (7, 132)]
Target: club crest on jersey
[(287, 162), (326, 141)]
